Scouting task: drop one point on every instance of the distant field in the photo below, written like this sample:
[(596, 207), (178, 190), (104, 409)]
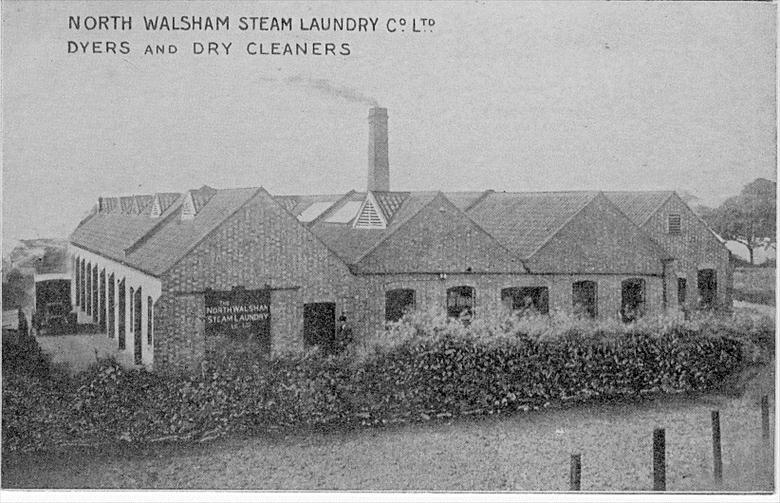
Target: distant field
[(755, 285)]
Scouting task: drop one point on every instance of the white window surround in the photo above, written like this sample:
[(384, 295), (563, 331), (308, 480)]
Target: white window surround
[(188, 208)]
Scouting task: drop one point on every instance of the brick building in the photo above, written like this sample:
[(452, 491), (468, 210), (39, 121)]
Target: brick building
[(161, 273)]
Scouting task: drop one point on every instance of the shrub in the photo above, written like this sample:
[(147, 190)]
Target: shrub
[(423, 366)]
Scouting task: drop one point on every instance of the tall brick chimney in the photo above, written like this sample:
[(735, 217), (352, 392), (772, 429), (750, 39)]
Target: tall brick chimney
[(378, 163)]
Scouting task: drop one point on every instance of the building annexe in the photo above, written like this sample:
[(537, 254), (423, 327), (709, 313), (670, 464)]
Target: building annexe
[(147, 268)]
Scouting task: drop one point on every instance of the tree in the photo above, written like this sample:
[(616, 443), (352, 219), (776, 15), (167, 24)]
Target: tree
[(748, 218)]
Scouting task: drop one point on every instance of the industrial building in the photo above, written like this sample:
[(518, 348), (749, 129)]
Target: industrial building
[(165, 274)]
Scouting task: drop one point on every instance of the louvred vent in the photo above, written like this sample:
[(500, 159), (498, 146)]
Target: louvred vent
[(369, 217)]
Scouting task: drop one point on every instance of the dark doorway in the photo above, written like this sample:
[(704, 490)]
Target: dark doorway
[(95, 295), (137, 338), (120, 319), (632, 305), (111, 306), (682, 290), (708, 288), (78, 281), (460, 302), (398, 302), (584, 298), (319, 325), (88, 293), (102, 289), (527, 299)]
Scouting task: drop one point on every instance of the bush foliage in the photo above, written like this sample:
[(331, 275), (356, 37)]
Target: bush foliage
[(422, 367)]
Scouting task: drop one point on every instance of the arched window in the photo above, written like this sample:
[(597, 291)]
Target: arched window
[(460, 302), (584, 298), (632, 304), (527, 299), (398, 302)]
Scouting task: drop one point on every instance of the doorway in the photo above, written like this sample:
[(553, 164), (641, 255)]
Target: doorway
[(708, 288), (583, 294), (632, 305), (319, 325)]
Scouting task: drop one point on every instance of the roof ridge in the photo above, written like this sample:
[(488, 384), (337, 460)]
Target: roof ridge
[(563, 225), (387, 236)]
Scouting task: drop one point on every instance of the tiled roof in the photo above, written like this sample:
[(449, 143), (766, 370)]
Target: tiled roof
[(167, 199), (126, 204), (464, 199), (202, 196), (524, 221), (389, 202), (638, 206), (350, 244), (143, 204), (164, 240)]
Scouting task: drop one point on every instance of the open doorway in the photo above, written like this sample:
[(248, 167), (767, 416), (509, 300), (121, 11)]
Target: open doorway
[(708, 288), (319, 325), (584, 298), (632, 303)]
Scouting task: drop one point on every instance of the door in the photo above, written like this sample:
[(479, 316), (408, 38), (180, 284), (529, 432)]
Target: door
[(319, 325)]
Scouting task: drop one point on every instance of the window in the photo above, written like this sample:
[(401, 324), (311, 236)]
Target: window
[(584, 298), (122, 305), (398, 302), (682, 290), (111, 306), (460, 302), (527, 299), (78, 281), (149, 322), (674, 225)]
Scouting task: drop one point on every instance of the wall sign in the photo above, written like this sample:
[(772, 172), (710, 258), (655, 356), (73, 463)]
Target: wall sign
[(239, 313)]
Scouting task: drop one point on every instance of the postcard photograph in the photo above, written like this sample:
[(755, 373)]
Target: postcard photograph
[(514, 249)]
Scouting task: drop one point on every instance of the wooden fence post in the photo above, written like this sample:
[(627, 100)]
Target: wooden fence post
[(659, 459), (765, 417), (575, 472), (717, 460)]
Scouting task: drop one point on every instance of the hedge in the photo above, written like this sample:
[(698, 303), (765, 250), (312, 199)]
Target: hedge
[(420, 368)]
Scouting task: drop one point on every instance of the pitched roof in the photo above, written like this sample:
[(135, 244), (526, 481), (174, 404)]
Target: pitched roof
[(153, 245), (639, 206), (351, 244), (389, 202), (524, 221)]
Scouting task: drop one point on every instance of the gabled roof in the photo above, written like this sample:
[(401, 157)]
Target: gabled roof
[(639, 206), (153, 245), (350, 243), (524, 221)]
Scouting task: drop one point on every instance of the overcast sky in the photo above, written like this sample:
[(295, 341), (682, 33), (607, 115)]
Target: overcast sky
[(524, 96)]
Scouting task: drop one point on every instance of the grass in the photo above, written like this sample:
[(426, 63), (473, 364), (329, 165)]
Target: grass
[(521, 452), (755, 285)]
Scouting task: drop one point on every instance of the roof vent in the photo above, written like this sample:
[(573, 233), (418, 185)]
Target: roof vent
[(156, 207), (188, 208), (370, 217)]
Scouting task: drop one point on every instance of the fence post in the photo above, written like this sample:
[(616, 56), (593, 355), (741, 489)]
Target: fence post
[(659, 459), (765, 417), (717, 461), (575, 472)]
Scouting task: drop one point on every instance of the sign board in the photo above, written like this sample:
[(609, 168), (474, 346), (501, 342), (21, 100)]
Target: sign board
[(239, 313)]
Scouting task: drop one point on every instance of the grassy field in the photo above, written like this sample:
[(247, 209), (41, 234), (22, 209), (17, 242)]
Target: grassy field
[(755, 284), (522, 452)]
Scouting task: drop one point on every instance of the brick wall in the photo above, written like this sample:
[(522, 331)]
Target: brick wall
[(694, 248), (262, 244), (431, 291)]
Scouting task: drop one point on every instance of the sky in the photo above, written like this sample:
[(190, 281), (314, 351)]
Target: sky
[(525, 96)]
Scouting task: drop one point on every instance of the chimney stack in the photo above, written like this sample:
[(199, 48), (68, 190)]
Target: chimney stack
[(378, 163)]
